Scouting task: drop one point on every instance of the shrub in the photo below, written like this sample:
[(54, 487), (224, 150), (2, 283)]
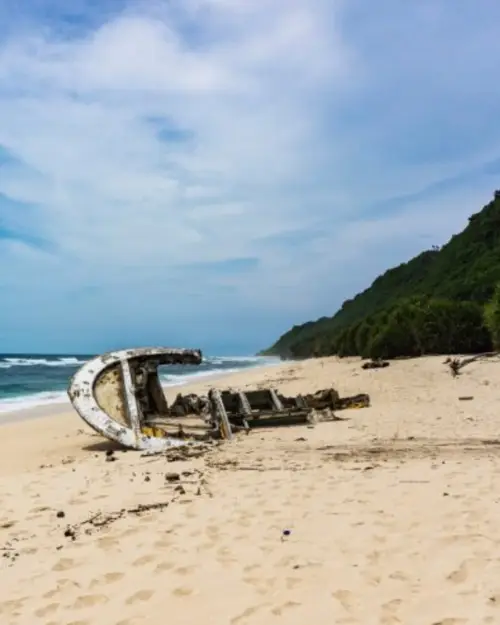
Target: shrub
[(492, 317)]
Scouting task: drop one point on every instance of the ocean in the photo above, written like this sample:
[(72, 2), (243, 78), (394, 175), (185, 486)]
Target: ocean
[(30, 380)]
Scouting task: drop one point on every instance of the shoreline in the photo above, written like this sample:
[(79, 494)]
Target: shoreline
[(201, 384), (55, 409), (64, 406)]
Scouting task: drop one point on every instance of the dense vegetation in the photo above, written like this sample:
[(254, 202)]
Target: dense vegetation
[(443, 301)]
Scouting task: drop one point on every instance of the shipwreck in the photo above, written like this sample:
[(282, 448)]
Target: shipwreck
[(120, 396)]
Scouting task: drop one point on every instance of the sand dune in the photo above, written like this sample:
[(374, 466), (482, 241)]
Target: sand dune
[(391, 515)]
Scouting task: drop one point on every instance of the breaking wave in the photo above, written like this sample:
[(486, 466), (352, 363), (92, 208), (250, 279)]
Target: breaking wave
[(25, 402), (28, 381), (30, 361)]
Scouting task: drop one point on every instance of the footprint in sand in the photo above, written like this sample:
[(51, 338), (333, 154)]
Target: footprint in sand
[(46, 610), (373, 557), (266, 549), (179, 526), (389, 612), (261, 584), (12, 605), (164, 566), (162, 543), (391, 620), (246, 522), (109, 578), (346, 599), (212, 532), (293, 582), (130, 532), (108, 542), (51, 593), (247, 613), (208, 546), (463, 572), (279, 610), (399, 575), (64, 564), (182, 591), (89, 601), (60, 585), (144, 560), (191, 513), (224, 554), (185, 570), (139, 596), (392, 606)]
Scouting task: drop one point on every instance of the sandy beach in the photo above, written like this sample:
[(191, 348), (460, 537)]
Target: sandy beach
[(392, 514)]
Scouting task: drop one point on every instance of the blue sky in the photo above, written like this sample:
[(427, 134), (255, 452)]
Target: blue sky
[(210, 172)]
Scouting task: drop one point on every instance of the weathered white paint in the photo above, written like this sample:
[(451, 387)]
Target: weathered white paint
[(130, 399), (221, 414), (82, 397)]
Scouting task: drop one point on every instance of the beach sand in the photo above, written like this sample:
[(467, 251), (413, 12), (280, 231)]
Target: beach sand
[(392, 514)]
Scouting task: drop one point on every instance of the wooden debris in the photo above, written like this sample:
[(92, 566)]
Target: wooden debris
[(456, 364), (119, 394), (376, 363)]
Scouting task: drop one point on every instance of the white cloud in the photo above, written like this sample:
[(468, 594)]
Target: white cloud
[(260, 94), (77, 116)]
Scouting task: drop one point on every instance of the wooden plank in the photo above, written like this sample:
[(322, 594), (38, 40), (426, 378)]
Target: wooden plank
[(225, 425)]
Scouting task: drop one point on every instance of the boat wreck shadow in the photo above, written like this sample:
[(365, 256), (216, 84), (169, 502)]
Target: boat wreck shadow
[(104, 445)]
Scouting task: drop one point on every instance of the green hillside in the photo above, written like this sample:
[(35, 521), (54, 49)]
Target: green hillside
[(433, 303)]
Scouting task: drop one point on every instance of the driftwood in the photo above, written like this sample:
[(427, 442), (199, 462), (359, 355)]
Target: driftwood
[(190, 404), (376, 363), (100, 519), (264, 400), (356, 401), (329, 399), (456, 364), (267, 408)]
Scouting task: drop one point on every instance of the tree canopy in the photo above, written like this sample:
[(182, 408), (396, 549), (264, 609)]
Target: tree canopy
[(442, 301)]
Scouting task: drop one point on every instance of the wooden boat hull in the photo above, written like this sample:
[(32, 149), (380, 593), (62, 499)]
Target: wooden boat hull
[(105, 392)]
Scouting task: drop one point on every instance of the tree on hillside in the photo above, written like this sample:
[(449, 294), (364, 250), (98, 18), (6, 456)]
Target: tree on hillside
[(492, 317)]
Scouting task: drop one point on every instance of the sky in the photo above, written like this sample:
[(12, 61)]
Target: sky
[(208, 173)]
